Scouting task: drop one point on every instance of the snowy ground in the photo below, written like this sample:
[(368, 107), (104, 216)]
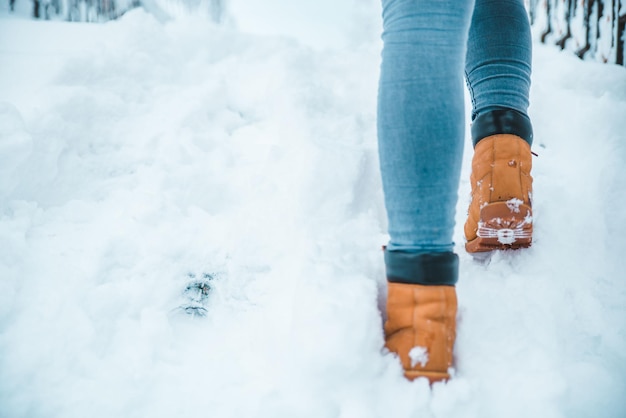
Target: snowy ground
[(135, 153)]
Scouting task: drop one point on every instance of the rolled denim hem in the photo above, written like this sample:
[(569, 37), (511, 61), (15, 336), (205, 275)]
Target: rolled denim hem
[(430, 269)]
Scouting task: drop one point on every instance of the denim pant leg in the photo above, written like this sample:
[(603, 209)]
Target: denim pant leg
[(499, 54), (421, 119)]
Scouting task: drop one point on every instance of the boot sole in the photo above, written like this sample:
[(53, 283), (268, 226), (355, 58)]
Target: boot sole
[(430, 375), (503, 226)]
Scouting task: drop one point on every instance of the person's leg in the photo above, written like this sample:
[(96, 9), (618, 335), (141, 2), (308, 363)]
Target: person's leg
[(499, 53), (421, 120), (497, 68), (420, 133)]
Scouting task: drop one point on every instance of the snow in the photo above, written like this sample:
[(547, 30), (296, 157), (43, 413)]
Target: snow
[(418, 355), (136, 154), (606, 39), (514, 204), (320, 24)]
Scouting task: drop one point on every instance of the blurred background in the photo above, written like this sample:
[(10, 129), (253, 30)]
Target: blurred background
[(592, 29)]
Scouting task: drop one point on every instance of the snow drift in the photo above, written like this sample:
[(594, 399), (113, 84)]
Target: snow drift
[(143, 152)]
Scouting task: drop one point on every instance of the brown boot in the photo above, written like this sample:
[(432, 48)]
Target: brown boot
[(500, 213), (421, 328)]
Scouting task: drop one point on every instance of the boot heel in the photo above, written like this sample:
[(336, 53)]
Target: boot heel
[(503, 226)]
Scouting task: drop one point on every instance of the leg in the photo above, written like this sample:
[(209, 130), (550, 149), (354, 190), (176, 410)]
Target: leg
[(497, 68), (499, 53), (420, 131), (421, 120)]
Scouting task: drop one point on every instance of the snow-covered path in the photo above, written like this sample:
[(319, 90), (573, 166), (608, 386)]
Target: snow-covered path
[(136, 153)]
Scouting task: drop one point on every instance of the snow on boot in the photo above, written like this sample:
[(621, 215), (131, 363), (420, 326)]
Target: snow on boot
[(421, 328), (500, 212)]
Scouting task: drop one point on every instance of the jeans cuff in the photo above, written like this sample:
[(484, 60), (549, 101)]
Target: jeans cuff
[(433, 269), (502, 121)]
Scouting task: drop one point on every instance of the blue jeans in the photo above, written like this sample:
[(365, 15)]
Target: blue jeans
[(428, 46)]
